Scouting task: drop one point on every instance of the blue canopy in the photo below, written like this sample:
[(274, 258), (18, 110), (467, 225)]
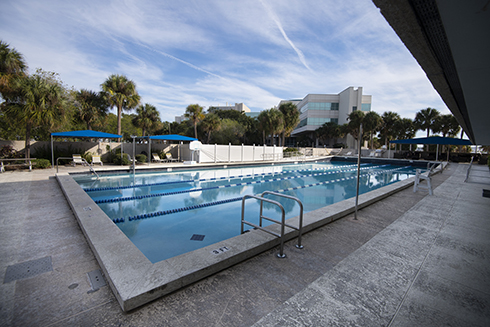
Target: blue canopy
[(88, 134), (170, 137), (434, 140)]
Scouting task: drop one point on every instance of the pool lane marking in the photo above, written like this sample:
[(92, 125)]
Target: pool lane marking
[(98, 189), (170, 211), (130, 198)]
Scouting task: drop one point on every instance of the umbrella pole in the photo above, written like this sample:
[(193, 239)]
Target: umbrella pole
[(52, 152)]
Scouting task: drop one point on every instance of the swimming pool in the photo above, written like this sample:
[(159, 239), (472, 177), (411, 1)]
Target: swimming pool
[(167, 214)]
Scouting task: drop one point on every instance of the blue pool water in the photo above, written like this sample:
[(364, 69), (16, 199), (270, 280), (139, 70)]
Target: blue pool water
[(166, 214)]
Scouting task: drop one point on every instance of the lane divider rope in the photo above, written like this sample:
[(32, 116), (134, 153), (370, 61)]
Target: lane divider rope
[(108, 188), (203, 205), (137, 197)]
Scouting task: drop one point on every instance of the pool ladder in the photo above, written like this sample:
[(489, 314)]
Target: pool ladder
[(283, 224)]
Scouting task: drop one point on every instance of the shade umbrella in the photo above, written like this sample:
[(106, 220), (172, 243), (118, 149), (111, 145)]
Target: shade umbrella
[(81, 134), (438, 140), (168, 137)]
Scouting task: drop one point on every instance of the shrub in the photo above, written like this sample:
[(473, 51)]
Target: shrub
[(286, 150), (117, 159), (87, 156), (7, 151), (141, 158), (41, 163)]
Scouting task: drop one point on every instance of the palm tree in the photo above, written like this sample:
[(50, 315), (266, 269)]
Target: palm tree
[(147, 117), (91, 106), (211, 123), (291, 119), (425, 119), (355, 119), (447, 125), (275, 122), (120, 92), (263, 124), (387, 129), (195, 113), (372, 123), (404, 129), (41, 103), (12, 66)]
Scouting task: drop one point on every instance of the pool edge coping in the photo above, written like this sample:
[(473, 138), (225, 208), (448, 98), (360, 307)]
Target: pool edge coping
[(135, 281)]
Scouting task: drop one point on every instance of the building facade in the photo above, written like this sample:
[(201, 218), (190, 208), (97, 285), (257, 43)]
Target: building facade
[(318, 109)]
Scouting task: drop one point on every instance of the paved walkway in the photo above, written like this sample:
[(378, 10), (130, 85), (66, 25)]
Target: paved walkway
[(430, 267), (410, 259)]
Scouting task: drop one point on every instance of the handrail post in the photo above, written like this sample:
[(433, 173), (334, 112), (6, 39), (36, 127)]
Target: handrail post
[(300, 226)]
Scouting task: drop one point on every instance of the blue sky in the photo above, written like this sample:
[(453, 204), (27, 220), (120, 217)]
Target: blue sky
[(216, 52)]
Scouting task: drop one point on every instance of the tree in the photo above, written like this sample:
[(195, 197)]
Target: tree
[(387, 129), (447, 125), (404, 129), (355, 119), (230, 132), (12, 67), (147, 118), (195, 113), (271, 123), (120, 92), (41, 102), (90, 106), (425, 119), (371, 124), (290, 119), (328, 131), (263, 124), (211, 123)]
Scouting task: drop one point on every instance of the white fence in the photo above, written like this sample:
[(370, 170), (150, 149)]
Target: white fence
[(233, 153)]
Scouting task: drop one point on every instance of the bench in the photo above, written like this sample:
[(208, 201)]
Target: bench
[(27, 162)]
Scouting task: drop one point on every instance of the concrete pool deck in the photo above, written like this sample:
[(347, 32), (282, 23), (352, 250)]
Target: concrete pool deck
[(340, 278)]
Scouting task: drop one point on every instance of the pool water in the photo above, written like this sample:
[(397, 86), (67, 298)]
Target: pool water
[(166, 214)]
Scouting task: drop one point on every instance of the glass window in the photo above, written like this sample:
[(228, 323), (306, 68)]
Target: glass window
[(354, 108), (366, 107)]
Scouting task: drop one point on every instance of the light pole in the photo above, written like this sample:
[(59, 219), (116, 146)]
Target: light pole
[(358, 168)]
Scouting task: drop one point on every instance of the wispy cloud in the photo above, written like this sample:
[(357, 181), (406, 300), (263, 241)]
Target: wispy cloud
[(215, 51), (276, 20)]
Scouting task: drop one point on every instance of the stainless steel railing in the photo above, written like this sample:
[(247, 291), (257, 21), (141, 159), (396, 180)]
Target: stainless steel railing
[(283, 224), (83, 161)]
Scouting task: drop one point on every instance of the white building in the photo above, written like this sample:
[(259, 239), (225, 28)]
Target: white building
[(241, 107), (318, 109)]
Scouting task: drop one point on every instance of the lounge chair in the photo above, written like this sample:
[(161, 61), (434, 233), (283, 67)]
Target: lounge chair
[(156, 158), (77, 159), (96, 160), (169, 158)]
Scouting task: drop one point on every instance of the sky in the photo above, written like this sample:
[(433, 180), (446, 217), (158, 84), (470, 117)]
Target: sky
[(216, 52)]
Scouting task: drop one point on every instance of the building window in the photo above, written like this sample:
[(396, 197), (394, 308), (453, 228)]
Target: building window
[(366, 107), (354, 108), (323, 106)]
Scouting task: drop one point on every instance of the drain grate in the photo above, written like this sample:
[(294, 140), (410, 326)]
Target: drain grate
[(197, 237), (96, 279), (28, 269)]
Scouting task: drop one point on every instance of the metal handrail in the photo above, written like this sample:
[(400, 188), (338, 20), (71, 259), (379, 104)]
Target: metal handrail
[(281, 236), (469, 168), (83, 160), (300, 225), (282, 222)]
